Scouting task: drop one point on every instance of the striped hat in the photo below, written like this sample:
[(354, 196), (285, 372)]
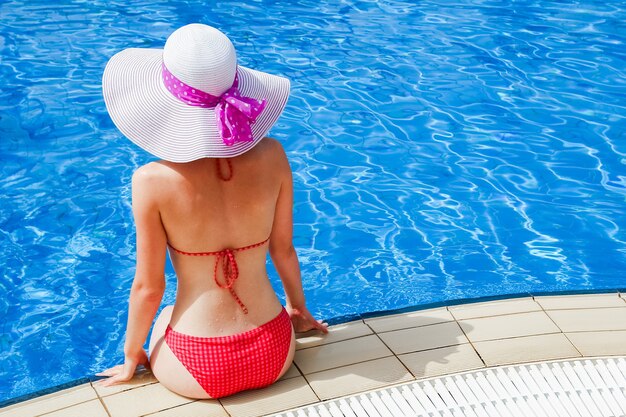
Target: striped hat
[(191, 100)]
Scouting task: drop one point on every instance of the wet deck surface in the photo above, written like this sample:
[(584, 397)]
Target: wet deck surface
[(373, 353)]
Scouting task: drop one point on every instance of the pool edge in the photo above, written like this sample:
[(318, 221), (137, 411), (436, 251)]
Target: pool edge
[(340, 320)]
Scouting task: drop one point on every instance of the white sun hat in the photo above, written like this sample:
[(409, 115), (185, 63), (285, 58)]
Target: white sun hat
[(191, 100)]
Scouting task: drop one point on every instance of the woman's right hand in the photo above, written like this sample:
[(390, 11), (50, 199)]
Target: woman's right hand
[(125, 372), (303, 321)]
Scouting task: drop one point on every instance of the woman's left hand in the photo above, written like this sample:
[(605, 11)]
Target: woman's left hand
[(125, 372), (303, 321)]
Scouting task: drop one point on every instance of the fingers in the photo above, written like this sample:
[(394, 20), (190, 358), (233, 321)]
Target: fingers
[(321, 326), (313, 324), (105, 382), (117, 374), (114, 380)]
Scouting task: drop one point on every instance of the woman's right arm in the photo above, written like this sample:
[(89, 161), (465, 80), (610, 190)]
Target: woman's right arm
[(284, 254), (149, 282)]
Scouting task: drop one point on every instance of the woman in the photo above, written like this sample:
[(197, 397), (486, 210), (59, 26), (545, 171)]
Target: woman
[(218, 201)]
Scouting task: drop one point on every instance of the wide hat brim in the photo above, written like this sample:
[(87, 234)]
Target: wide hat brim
[(150, 116)]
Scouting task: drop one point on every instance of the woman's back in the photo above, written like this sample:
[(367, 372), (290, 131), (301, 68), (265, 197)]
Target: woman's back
[(211, 205), (224, 199)]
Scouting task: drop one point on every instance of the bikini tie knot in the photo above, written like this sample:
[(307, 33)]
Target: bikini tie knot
[(230, 271), (229, 268)]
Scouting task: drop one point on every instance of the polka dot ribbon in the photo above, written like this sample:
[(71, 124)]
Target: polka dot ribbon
[(234, 113)]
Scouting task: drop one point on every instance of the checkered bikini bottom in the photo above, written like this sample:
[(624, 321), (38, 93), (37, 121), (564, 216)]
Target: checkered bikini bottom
[(226, 365)]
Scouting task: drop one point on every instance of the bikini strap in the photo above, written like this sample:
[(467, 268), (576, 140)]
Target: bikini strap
[(230, 269), (219, 170)]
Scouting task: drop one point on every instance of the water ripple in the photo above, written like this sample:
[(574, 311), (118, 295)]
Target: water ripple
[(441, 150)]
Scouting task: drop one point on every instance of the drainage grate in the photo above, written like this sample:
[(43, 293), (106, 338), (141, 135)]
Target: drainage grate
[(579, 388)]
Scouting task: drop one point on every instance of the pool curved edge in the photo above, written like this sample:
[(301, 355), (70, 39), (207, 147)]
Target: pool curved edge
[(461, 301), (364, 321)]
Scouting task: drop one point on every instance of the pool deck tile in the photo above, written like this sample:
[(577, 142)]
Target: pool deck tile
[(143, 400), (601, 343), (344, 331), (494, 308), (559, 302), (424, 337), (92, 408), (510, 325), (51, 402), (358, 377), (292, 372), (334, 355), (202, 408), (589, 319), (526, 349), (289, 393), (412, 319), (377, 352), (442, 361)]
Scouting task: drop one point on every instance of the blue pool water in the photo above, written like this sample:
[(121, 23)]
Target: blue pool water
[(442, 150)]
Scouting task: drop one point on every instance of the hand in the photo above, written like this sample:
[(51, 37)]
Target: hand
[(125, 372), (303, 321)]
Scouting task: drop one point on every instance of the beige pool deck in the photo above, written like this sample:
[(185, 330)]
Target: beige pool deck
[(378, 352)]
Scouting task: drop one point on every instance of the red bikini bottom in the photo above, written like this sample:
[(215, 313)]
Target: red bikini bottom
[(228, 364)]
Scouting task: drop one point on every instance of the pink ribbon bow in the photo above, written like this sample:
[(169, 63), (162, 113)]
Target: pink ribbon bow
[(234, 113)]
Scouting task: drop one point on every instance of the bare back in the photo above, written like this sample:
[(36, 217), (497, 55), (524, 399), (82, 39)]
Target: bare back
[(188, 206), (201, 212)]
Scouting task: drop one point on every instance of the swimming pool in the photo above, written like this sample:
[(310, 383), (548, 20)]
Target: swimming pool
[(441, 151)]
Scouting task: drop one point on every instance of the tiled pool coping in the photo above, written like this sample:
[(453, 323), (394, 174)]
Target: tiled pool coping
[(381, 349)]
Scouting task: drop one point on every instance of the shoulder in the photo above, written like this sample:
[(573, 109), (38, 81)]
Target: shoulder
[(270, 147), (274, 152), (152, 182), (273, 144), (152, 173)]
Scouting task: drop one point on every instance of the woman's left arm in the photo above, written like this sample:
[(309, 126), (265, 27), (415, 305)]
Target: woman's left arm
[(149, 284)]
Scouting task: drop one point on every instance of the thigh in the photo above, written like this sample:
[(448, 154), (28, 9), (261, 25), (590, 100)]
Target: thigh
[(166, 366)]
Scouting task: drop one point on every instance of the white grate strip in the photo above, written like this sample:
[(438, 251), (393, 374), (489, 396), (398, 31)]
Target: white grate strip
[(578, 388)]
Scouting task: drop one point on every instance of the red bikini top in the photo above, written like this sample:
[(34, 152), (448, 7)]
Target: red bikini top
[(229, 266)]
